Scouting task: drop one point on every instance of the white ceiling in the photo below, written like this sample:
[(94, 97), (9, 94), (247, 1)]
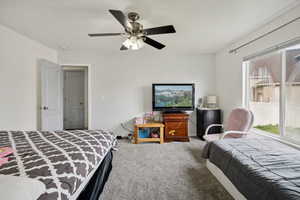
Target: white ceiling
[(203, 26)]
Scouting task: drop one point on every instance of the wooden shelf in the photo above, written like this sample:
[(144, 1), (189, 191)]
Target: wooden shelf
[(149, 139), (149, 125)]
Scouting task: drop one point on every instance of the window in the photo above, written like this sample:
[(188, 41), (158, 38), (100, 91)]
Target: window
[(272, 91)]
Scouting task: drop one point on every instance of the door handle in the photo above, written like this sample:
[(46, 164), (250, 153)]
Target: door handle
[(80, 103), (45, 108)]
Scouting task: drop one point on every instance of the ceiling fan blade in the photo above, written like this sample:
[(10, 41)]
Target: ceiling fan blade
[(104, 34), (153, 43), (123, 48), (160, 30), (119, 15)]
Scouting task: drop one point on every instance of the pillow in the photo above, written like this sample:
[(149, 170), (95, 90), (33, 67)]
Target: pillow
[(16, 188)]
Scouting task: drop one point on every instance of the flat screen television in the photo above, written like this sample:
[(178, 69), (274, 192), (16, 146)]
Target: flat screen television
[(173, 97)]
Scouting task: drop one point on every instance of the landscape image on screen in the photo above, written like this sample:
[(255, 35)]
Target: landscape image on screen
[(173, 96)]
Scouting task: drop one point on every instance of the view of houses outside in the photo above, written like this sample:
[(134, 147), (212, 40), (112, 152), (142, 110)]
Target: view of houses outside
[(264, 82)]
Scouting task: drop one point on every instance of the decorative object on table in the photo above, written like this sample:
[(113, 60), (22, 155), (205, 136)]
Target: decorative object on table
[(211, 102), (139, 120), (206, 117), (144, 133), (157, 117), (149, 117), (200, 103), (154, 135), (140, 127)]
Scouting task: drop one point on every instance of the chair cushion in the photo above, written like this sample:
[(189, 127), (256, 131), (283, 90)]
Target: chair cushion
[(240, 119), (212, 137), (234, 135)]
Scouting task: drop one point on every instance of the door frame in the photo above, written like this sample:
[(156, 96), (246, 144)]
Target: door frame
[(89, 88)]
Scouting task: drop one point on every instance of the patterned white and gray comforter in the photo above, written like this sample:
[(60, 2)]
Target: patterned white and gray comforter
[(62, 160)]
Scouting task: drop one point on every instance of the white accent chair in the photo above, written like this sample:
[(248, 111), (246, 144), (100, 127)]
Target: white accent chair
[(238, 124)]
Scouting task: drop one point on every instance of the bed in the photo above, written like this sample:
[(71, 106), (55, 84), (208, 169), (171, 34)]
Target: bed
[(255, 168), (71, 164)]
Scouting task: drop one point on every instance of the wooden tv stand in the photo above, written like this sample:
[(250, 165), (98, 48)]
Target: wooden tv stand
[(176, 127)]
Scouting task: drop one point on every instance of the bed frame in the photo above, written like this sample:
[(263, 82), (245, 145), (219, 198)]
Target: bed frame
[(96, 180), (224, 181)]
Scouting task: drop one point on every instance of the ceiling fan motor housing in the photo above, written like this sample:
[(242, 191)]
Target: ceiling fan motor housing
[(136, 29), (133, 16)]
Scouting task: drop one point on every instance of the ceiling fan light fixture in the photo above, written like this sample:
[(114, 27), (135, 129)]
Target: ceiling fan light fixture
[(136, 35), (134, 43)]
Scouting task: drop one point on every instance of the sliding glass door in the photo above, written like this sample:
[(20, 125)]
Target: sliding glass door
[(272, 92), (292, 93), (264, 91)]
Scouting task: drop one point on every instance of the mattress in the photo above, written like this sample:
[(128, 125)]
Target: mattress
[(62, 160), (260, 169)]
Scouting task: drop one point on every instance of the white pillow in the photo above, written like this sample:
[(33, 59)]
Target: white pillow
[(16, 188)]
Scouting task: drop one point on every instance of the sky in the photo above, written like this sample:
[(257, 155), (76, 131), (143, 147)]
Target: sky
[(174, 87)]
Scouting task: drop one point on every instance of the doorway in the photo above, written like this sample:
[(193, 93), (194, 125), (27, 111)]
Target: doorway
[(75, 97)]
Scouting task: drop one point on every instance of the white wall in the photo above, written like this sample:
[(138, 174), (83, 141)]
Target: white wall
[(121, 82), (229, 81), (18, 79)]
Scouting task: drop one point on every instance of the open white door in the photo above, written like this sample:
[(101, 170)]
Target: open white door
[(51, 96)]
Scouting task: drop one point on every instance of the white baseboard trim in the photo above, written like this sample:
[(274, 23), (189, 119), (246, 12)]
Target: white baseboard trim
[(224, 181)]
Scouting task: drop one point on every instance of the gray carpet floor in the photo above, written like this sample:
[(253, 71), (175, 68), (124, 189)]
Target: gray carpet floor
[(170, 171)]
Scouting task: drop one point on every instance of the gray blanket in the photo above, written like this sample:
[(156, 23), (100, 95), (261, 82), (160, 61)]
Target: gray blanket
[(261, 169), (62, 160)]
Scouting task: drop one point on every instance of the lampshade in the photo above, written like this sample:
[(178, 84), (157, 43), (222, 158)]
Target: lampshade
[(133, 43), (211, 99)]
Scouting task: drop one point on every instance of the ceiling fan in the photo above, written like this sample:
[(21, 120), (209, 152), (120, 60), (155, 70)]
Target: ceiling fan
[(136, 35)]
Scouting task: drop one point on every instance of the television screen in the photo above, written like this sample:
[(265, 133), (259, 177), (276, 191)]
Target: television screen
[(173, 96)]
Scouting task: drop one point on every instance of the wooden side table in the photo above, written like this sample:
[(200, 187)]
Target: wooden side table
[(149, 125)]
